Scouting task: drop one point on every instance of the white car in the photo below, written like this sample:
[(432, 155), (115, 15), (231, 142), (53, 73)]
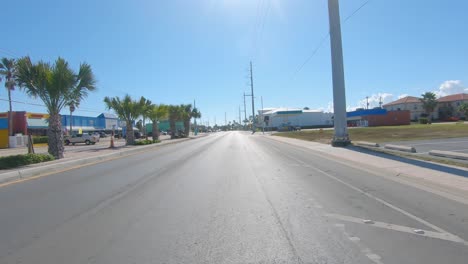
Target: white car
[(81, 138)]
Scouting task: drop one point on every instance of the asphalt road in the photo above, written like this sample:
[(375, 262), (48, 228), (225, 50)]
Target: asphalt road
[(446, 144), (227, 198)]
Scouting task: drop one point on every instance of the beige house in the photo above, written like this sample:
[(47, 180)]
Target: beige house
[(410, 103), (448, 105)]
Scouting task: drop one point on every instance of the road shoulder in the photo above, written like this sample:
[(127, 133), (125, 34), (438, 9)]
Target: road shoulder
[(445, 184)]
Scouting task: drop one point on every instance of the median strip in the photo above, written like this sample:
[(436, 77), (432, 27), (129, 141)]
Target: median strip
[(401, 148), (367, 144)]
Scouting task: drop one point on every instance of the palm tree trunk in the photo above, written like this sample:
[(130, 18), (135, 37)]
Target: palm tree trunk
[(130, 138), (187, 127), (55, 136), (155, 130), (10, 114), (172, 125)]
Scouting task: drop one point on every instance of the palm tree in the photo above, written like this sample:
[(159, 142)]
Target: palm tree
[(56, 85), (429, 102), (186, 116), (155, 114), (174, 114), (146, 108), (127, 110), (195, 114), (8, 71), (464, 108)]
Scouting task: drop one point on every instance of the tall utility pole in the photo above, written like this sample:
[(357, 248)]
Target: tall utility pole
[(341, 137), (195, 129), (253, 98), (367, 102), (263, 118), (245, 109), (239, 116)]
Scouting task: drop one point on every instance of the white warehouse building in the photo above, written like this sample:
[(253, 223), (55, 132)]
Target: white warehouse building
[(278, 118)]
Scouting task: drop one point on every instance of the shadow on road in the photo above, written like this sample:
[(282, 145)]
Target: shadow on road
[(420, 163)]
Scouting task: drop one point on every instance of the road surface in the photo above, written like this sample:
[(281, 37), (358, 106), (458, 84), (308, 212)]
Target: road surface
[(227, 198)]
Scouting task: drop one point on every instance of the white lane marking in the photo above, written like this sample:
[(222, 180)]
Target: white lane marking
[(364, 249), (374, 257), (405, 229), (418, 185), (398, 209)]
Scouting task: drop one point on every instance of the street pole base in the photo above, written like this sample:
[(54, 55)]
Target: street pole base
[(340, 142)]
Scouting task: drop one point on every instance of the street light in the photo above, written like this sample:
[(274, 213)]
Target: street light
[(72, 109)]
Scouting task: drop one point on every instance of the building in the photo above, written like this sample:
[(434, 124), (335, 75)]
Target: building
[(277, 118), (164, 126), (27, 123), (408, 103), (378, 117), (448, 105)]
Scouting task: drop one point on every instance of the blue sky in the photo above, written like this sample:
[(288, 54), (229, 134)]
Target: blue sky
[(176, 51)]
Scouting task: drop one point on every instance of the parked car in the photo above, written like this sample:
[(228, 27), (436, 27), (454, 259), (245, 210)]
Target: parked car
[(102, 134), (136, 134), (81, 138), (164, 133)]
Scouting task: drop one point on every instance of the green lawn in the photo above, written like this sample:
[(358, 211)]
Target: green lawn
[(387, 133)]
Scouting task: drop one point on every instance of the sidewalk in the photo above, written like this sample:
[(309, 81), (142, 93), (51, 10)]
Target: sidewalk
[(448, 181), (78, 155)]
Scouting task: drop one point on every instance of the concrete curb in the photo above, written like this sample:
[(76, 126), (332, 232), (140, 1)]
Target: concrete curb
[(449, 154), (401, 148), (28, 172), (367, 144)]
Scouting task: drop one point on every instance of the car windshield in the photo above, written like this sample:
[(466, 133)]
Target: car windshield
[(234, 131)]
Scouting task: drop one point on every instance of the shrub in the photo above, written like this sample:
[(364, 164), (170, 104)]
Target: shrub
[(40, 139), (422, 120), (143, 142), (14, 161), (156, 141)]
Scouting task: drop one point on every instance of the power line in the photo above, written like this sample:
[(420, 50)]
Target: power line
[(265, 16), (260, 23), (9, 53), (325, 37), (42, 105)]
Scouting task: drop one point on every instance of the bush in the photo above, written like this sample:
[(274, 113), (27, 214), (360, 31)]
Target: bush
[(14, 161), (422, 120), (156, 141), (143, 142), (40, 139)]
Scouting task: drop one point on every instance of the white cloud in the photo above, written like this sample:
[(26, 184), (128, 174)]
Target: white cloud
[(450, 87), (402, 96), (373, 101)]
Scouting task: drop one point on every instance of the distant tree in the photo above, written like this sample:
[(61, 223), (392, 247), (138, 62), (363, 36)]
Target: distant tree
[(145, 110), (174, 114), (8, 71), (56, 85), (429, 102), (464, 108), (127, 110), (155, 114), (306, 108)]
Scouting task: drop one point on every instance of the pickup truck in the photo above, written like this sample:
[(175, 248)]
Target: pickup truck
[(81, 138)]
